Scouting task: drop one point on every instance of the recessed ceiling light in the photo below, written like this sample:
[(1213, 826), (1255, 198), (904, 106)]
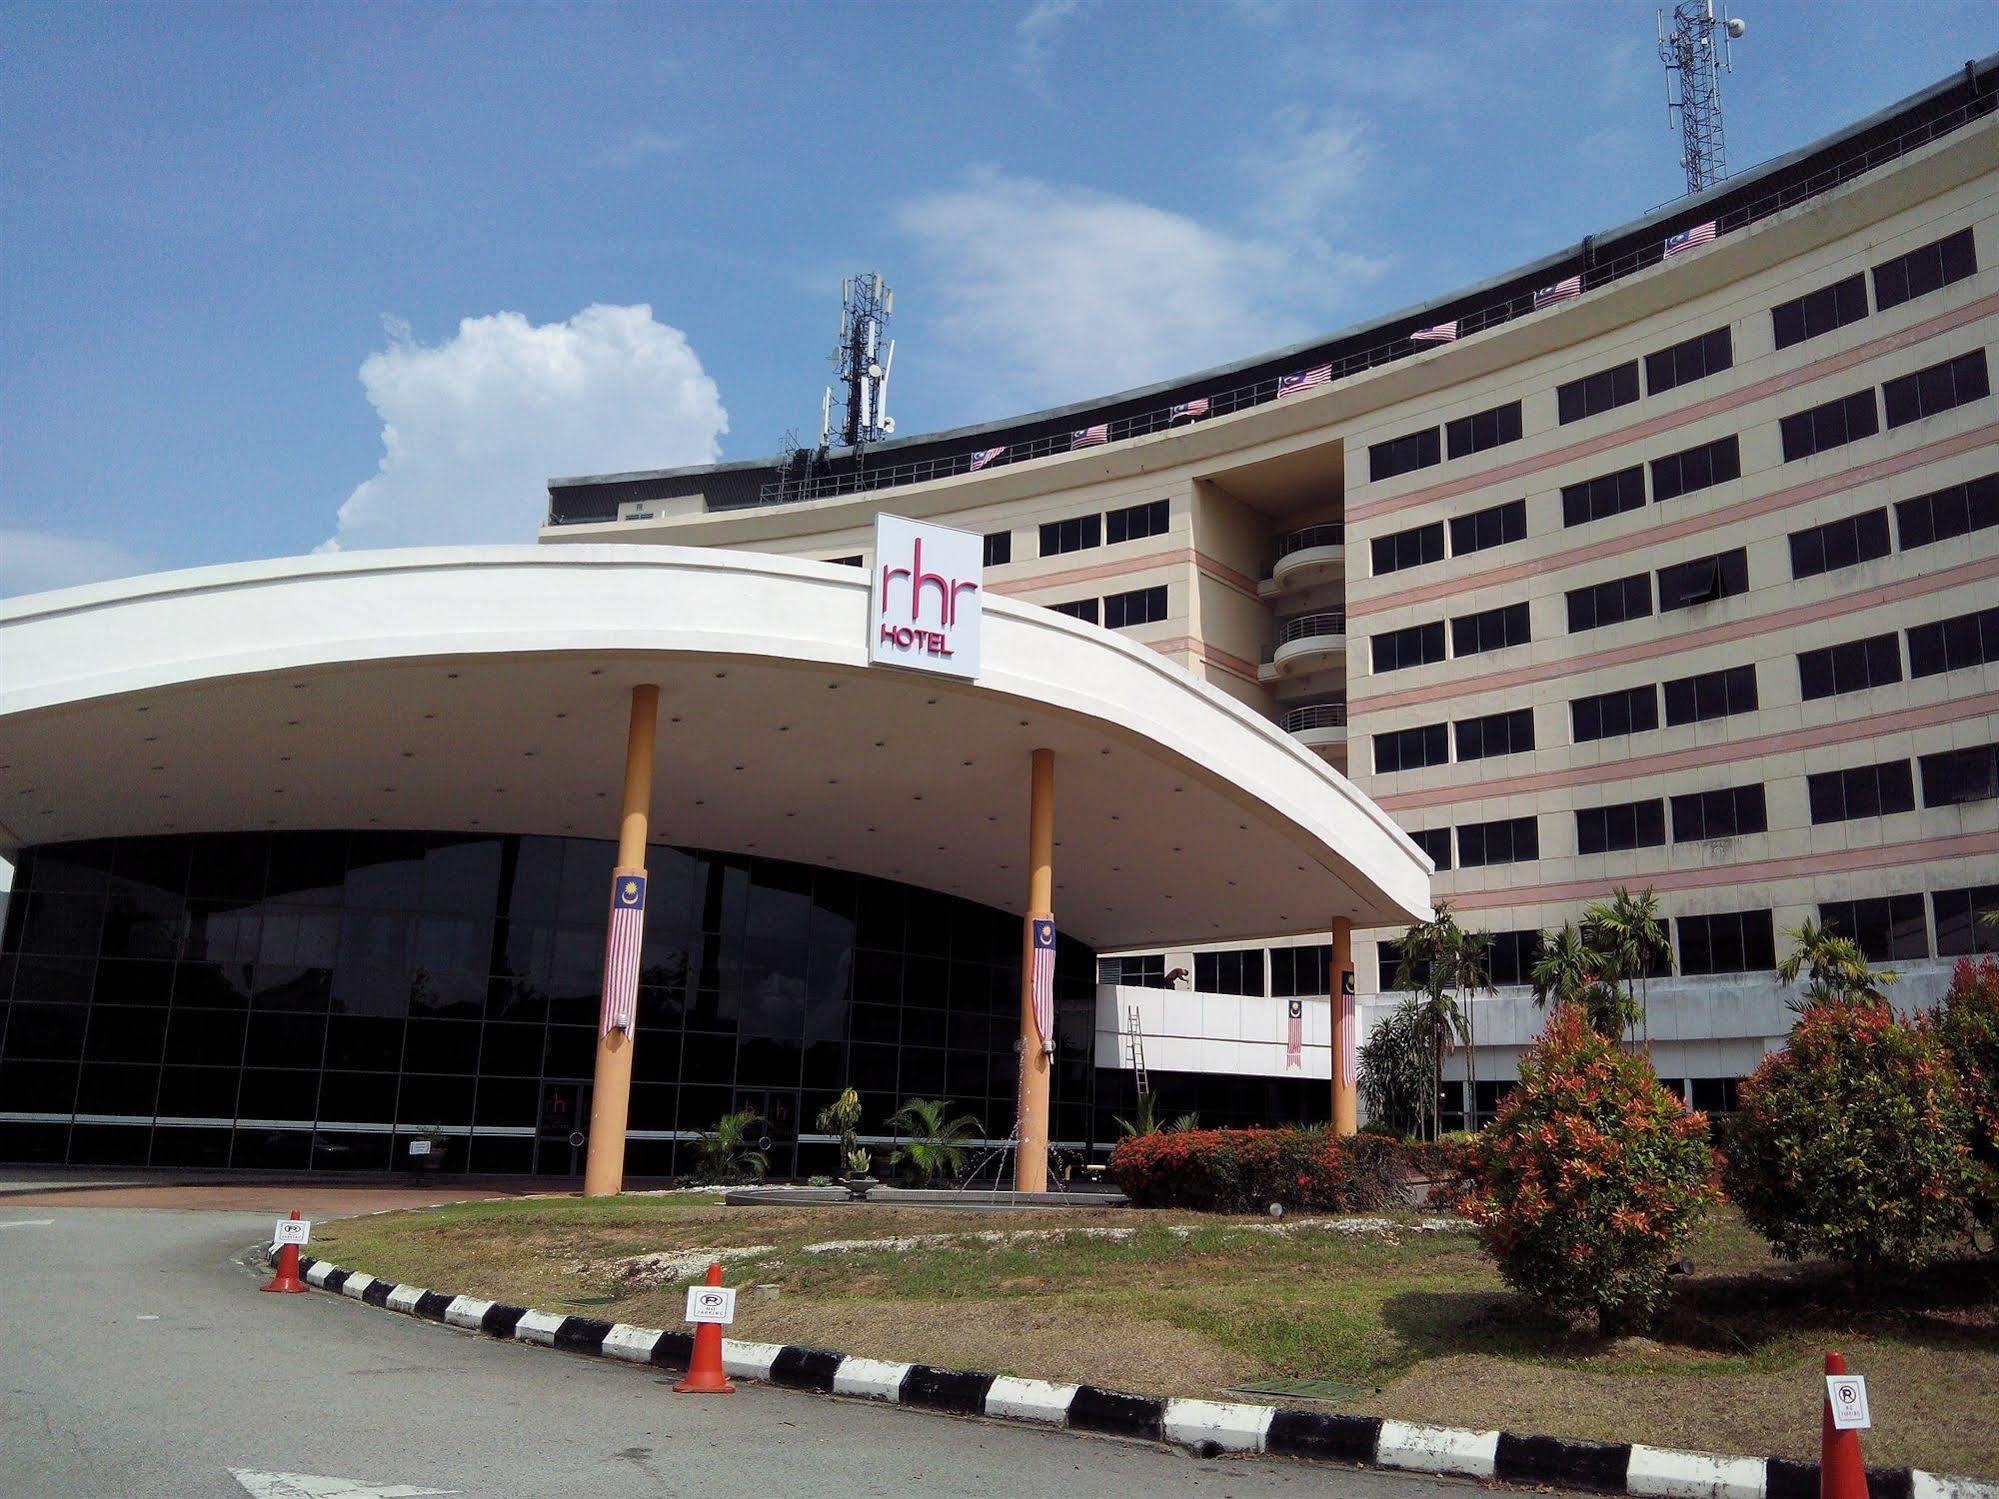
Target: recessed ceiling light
[(159, 767), (720, 674), (291, 723), (784, 728), (562, 715), (451, 676), (596, 671), (409, 754), (430, 715), (143, 708), (739, 767)]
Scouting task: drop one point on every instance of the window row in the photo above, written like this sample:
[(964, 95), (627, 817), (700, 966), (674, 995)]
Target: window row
[(1954, 644), (1120, 611), (1925, 269), (1081, 532), (1480, 531), (1909, 398)]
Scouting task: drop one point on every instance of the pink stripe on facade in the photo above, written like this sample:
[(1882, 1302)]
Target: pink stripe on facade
[(1646, 650), (1715, 876), (1833, 364), (1845, 731), (1780, 499)]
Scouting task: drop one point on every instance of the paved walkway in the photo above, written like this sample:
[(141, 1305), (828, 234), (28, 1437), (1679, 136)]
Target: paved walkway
[(140, 1359)]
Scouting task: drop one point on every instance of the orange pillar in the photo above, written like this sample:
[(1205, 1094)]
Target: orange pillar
[(1030, 1161), (1346, 1037), (611, 1092)]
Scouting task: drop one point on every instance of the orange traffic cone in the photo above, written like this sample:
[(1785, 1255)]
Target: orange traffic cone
[(704, 1369), (1841, 1473), (287, 1277)]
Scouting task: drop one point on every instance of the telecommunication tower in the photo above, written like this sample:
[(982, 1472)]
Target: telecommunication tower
[(1696, 54), (861, 362)]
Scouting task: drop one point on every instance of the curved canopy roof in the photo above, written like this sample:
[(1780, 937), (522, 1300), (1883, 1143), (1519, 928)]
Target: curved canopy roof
[(488, 689)]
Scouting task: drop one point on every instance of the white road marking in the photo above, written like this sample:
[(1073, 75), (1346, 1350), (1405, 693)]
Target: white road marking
[(28, 1223), (318, 1486)]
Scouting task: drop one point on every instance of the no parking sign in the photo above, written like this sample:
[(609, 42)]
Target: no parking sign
[(1847, 1395)]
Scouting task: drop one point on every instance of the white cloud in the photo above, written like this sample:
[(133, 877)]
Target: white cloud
[(473, 427), (1306, 168), (32, 561), (1034, 38), (637, 146)]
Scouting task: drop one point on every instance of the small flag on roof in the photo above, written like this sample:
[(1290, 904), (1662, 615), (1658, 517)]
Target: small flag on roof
[(1290, 385), (1090, 437), (1561, 291), (1437, 333), (1188, 411), (985, 456), (1690, 239)]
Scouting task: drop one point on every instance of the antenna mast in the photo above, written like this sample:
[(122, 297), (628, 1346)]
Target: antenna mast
[(1696, 54), (861, 362)]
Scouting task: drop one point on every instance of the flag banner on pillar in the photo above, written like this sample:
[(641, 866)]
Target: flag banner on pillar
[(1349, 1057), (1041, 976), (621, 952), (1294, 1035)]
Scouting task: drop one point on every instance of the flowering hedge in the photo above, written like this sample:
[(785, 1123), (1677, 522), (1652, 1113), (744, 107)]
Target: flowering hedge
[(1233, 1170), (1593, 1179), (1968, 1027), (1853, 1142)]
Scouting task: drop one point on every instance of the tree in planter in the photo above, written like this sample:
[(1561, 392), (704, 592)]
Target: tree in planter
[(842, 1117), (1395, 1070), (1833, 967), (1567, 972), (729, 1151), (1440, 961), (1593, 1180), (1852, 1142), (934, 1145), (1967, 1023), (1628, 935)]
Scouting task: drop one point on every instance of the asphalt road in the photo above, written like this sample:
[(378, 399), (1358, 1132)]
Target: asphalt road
[(137, 1358)]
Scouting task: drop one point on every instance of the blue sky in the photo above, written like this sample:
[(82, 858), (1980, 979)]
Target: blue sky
[(277, 276)]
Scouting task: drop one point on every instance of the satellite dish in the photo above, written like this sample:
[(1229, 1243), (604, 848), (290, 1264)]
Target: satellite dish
[(888, 424), (874, 372), (1737, 27)]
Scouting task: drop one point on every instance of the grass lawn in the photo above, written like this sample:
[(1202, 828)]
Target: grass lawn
[(1192, 1305)]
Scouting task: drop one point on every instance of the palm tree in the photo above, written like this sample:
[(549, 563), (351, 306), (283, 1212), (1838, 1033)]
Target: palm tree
[(934, 1145), (1833, 966), (1629, 933), (1439, 960), (1469, 959), (1145, 1120), (1567, 972), (729, 1152)]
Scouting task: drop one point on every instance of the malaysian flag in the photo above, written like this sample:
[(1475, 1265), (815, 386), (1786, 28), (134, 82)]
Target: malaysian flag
[(984, 456), (1041, 976), (1438, 333), (1290, 385), (1690, 239), (621, 952), (1561, 291), (1089, 437), (1348, 1061), (1188, 411), (1294, 1037)]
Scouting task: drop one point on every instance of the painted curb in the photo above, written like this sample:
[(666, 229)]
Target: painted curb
[(1205, 1427)]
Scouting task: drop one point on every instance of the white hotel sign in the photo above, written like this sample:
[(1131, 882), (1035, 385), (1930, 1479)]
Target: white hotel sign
[(924, 608)]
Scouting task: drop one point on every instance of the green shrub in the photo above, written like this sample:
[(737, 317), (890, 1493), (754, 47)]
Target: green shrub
[(1853, 1141), (1968, 1026), (1234, 1170), (1449, 1164), (1593, 1179)]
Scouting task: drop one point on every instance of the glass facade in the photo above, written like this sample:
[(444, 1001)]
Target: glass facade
[(318, 1000)]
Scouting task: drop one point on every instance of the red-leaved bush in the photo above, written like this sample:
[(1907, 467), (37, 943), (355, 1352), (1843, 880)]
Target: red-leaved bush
[(1853, 1142), (1593, 1179), (1968, 1026), (1236, 1170)]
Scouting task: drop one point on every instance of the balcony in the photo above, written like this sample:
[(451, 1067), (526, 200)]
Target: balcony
[(1312, 554), (1318, 725), (1312, 642)]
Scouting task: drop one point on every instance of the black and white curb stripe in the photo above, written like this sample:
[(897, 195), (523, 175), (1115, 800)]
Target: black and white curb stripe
[(1206, 1427)]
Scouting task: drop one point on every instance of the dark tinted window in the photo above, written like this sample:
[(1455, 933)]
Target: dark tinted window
[(1705, 580), (1862, 791), (1846, 542), (1703, 467), (1819, 312), (1735, 942), (1953, 777), (1885, 927), (1417, 645), (1436, 842), (1483, 429), (1695, 359), (1938, 388), (999, 548), (1301, 971), (1510, 958), (1401, 455), (1612, 494), (1929, 269), (1510, 840), (1488, 528), (1967, 920), (1850, 666), (1135, 522), (1229, 972), (1729, 813), (1411, 749), (1711, 694), (1073, 535), (1144, 971), (1633, 710), (1832, 425), (1953, 644), (1140, 606), (1509, 733), (1410, 548), (1610, 603), (1489, 630), (1617, 386), (1942, 514), (1627, 825), (1083, 609)]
